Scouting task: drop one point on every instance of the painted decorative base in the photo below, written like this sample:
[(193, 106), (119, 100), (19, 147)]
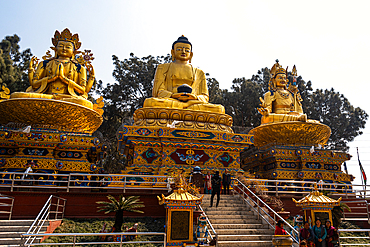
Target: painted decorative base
[(163, 151), (48, 150), (187, 119), (291, 162)]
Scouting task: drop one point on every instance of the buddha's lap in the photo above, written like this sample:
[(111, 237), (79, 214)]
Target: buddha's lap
[(68, 98), (176, 104)]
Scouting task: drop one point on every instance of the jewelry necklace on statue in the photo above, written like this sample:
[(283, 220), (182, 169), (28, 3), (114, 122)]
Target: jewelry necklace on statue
[(283, 94)]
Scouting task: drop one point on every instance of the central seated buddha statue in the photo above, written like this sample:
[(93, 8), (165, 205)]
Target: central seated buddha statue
[(61, 77), (178, 85)]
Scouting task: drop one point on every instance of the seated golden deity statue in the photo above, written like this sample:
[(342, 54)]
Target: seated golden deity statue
[(178, 85), (281, 103), (61, 77)]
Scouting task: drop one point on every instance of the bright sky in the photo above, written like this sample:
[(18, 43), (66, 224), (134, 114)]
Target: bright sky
[(328, 41)]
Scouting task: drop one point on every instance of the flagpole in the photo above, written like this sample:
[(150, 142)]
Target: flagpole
[(362, 173)]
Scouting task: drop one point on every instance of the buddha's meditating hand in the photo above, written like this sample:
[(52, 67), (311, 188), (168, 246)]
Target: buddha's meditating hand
[(170, 76), (60, 77)]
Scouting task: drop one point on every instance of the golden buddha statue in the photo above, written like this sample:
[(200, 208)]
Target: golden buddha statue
[(61, 77), (281, 103), (178, 85)]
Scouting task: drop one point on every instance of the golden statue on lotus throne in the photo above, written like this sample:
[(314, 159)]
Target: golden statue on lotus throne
[(283, 120), (180, 94), (61, 77), (59, 89), (282, 102)]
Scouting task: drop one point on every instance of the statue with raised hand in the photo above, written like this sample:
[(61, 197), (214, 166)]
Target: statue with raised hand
[(282, 103)]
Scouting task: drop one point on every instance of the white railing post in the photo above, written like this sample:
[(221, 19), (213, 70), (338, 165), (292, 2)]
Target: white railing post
[(276, 188), (69, 181), (13, 176)]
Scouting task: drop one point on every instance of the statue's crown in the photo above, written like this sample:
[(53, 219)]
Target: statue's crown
[(66, 35), (277, 69)]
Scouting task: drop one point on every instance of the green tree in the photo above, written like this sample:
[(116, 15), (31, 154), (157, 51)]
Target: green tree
[(262, 78), (242, 101), (333, 109), (14, 64), (129, 204), (134, 82)]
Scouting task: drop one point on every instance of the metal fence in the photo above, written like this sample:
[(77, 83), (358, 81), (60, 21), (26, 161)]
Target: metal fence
[(53, 209), (6, 202), (68, 182), (363, 240), (119, 236), (284, 187), (262, 210)]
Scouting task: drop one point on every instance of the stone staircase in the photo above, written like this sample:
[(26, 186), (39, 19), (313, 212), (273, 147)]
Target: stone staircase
[(236, 224), (11, 231)]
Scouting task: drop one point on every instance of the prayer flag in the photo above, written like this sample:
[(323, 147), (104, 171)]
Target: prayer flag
[(361, 168)]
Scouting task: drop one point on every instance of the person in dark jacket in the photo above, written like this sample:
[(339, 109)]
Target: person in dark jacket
[(226, 181), (216, 186), (305, 233)]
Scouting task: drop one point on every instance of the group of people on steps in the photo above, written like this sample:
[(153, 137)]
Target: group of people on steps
[(316, 236)]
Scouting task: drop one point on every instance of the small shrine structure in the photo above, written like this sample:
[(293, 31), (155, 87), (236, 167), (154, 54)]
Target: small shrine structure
[(316, 205), (180, 206)]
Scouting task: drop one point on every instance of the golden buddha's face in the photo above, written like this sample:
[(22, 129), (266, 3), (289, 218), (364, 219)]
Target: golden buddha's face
[(182, 52), (64, 49), (280, 80)]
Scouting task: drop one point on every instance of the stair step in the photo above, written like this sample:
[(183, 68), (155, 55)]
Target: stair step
[(10, 234), (244, 232), (14, 228), (234, 216), (214, 208), (239, 226), (235, 221), (223, 204), (16, 222), (231, 212), (10, 241), (245, 243), (245, 237)]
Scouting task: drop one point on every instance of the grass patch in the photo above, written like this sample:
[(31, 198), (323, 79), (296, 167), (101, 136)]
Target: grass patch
[(146, 224)]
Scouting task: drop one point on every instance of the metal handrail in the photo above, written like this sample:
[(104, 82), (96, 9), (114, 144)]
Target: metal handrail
[(5, 197), (259, 209), (352, 237), (210, 225), (358, 201), (71, 181), (44, 215), (75, 235)]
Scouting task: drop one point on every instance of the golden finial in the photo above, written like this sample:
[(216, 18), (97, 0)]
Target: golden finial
[(294, 71)]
